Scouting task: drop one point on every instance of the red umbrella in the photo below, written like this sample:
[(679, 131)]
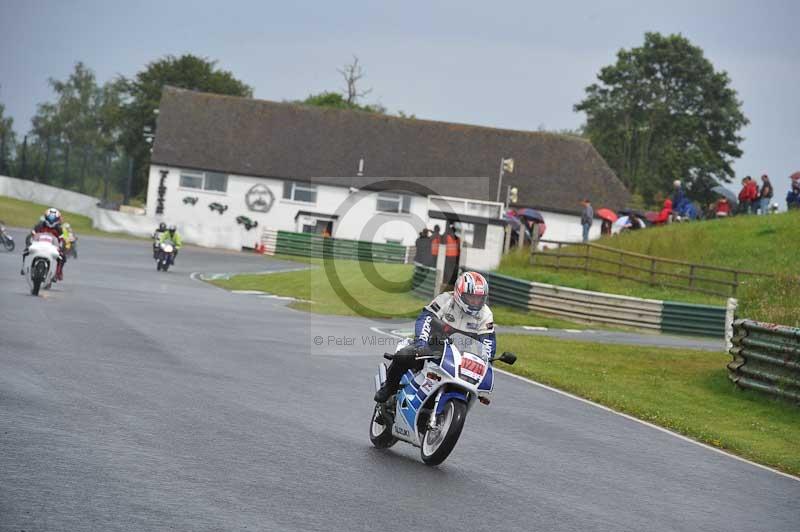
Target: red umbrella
[(607, 214), (651, 216), (795, 175)]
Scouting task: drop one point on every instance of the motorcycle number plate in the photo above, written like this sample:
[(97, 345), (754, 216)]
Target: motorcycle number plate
[(472, 366)]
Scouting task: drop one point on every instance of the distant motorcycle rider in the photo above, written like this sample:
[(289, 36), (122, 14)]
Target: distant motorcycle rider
[(162, 228), (172, 235), (50, 223), (463, 310)]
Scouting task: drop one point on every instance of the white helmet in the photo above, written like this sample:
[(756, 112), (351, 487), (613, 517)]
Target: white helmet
[(471, 292), (52, 217)]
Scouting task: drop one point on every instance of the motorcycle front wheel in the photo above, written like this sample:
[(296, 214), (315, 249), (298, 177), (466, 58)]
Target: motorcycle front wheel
[(380, 434), (437, 444), (9, 244)]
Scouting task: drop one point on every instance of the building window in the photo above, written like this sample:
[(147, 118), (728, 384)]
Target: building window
[(479, 236), (216, 182), (205, 181), (191, 180), (299, 192), (395, 203)]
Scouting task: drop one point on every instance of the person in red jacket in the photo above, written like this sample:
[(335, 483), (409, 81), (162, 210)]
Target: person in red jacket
[(50, 223), (723, 208), (663, 216), (748, 196)]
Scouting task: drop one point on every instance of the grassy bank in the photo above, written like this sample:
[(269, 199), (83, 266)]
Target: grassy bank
[(384, 295), (755, 243), (685, 391), (18, 213)]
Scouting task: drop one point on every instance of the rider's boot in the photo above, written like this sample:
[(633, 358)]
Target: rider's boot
[(60, 271), (394, 373)]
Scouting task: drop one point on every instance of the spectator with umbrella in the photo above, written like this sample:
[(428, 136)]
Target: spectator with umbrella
[(608, 217)]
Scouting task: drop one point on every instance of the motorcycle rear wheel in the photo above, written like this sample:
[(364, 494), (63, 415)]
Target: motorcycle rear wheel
[(438, 444), (380, 435)]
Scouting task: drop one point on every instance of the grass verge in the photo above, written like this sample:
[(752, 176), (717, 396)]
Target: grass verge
[(19, 213), (754, 243), (685, 391), (384, 294)]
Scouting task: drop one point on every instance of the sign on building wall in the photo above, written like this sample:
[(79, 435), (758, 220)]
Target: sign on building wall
[(259, 198)]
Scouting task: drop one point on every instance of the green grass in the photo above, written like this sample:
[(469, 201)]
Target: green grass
[(685, 391), (386, 296), (19, 213), (756, 243)]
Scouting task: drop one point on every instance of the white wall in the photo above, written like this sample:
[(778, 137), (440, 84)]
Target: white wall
[(487, 258), (567, 227), (46, 195), (358, 218)]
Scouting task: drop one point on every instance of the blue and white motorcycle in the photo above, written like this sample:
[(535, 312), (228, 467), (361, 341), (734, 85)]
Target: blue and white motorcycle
[(431, 406)]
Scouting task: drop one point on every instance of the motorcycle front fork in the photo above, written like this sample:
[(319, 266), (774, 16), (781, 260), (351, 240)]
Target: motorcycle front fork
[(432, 417)]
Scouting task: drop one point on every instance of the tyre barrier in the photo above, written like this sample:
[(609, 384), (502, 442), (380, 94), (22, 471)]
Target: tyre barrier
[(766, 357)]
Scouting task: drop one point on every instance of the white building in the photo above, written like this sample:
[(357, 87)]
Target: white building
[(222, 164)]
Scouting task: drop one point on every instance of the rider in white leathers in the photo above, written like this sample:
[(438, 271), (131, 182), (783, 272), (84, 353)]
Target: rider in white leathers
[(464, 310)]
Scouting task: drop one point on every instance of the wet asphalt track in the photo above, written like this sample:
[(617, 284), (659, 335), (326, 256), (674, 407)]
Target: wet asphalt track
[(133, 400)]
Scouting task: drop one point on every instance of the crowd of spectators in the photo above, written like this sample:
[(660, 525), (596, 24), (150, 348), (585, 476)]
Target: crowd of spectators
[(428, 244)]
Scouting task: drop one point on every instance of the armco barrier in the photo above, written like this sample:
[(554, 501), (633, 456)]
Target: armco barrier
[(686, 318), (317, 246), (423, 281), (766, 357), (612, 309)]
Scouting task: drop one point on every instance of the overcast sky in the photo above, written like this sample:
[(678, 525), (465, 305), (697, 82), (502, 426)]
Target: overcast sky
[(513, 64)]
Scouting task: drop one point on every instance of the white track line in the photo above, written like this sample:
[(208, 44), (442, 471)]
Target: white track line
[(637, 420)]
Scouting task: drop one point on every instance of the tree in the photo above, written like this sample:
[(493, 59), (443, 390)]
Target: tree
[(662, 112), (142, 94), (338, 101), (352, 74), (7, 141), (83, 119)]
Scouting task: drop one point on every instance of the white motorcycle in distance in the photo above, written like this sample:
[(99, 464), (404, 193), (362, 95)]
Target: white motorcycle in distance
[(42, 261), (166, 256), (431, 406)]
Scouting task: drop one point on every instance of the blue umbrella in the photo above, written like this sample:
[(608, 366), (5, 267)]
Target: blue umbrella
[(531, 214)]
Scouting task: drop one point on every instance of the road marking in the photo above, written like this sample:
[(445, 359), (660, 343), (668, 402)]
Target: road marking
[(248, 292), (637, 420), (532, 328)]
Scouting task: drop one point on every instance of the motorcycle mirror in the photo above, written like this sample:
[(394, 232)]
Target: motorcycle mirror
[(508, 357)]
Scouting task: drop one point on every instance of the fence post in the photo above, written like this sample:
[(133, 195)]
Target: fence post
[(558, 257), (619, 272), (24, 170), (126, 200), (730, 316), (586, 258), (691, 275), (46, 172), (83, 169), (652, 272), (735, 282)]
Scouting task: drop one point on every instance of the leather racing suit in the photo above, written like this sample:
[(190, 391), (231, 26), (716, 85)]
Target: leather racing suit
[(443, 307)]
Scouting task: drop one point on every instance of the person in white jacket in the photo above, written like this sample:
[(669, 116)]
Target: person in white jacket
[(463, 310)]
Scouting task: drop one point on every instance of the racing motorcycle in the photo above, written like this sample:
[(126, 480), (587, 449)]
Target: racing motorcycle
[(431, 406), (5, 239), (73, 246), (40, 268), (166, 256)]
